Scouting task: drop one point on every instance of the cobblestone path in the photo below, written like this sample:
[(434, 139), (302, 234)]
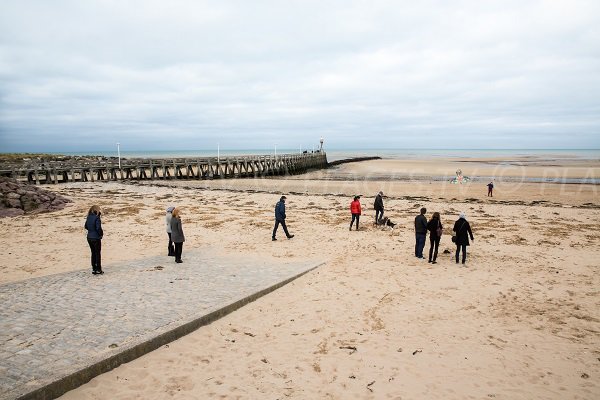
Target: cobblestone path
[(54, 327)]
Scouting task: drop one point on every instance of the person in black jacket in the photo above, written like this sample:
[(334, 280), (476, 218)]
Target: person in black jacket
[(420, 233), (93, 224), (280, 219), (378, 205), (435, 228), (463, 231)]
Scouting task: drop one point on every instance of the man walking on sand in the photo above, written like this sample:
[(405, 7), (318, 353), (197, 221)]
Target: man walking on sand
[(280, 218), (490, 189), (420, 233), (378, 207)]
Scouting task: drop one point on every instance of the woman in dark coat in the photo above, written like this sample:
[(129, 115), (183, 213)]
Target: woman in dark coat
[(177, 234), (93, 224), (434, 226), (463, 231)]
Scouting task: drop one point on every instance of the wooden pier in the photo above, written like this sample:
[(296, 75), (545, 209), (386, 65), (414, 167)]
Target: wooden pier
[(173, 168)]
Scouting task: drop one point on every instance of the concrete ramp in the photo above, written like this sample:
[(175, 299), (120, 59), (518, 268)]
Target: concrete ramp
[(57, 332)]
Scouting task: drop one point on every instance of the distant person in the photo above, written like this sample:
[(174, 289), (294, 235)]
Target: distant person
[(177, 234), (420, 233), (378, 205), (168, 217), (280, 218), (490, 189), (463, 231), (435, 228), (355, 210), (93, 224)]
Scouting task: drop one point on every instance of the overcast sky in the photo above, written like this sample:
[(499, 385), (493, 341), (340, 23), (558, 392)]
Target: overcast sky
[(83, 75)]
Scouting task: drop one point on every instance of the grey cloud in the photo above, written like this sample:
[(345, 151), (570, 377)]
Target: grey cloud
[(245, 74)]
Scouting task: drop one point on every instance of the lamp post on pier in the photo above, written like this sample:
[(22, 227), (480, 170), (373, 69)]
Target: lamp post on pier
[(119, 153)]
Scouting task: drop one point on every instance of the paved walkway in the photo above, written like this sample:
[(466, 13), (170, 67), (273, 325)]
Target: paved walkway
[(59, 331)]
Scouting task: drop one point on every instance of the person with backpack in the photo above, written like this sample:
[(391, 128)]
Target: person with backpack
[(435, 228), (463, 231)]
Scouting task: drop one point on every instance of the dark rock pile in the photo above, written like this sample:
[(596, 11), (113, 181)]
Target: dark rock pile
[(18, 198)]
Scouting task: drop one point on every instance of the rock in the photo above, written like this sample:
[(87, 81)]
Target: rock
[(13, 203), (11, 212), (17, 198), (29, 202)]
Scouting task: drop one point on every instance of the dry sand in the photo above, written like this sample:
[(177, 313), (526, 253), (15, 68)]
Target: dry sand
[(520, 321)]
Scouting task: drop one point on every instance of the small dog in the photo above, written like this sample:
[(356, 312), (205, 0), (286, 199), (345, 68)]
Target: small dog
[(386, 223)]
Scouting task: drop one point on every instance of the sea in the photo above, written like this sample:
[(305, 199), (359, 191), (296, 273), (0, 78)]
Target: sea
[(340, 154)]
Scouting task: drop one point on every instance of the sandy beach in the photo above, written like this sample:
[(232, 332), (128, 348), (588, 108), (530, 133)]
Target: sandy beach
[(520, 321)]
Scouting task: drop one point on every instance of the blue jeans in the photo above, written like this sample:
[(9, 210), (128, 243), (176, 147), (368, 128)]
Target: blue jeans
[(378, 215), (420, 245)]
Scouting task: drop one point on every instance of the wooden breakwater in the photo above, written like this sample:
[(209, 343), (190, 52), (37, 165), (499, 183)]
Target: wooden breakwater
[(87, 170), (353, 159)]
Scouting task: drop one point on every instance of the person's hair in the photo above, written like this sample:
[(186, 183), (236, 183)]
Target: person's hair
[(436, 215), (356, 197), (176, 212), (282, 198), (423, 210), (94, 210)]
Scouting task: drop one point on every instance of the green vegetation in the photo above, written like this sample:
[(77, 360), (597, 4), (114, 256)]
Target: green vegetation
[(16, 157)]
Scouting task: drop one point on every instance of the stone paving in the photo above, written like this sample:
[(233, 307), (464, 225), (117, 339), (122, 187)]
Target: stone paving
[(56, 326)]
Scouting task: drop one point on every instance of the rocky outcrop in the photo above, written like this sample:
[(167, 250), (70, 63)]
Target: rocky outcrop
[(17, 199)]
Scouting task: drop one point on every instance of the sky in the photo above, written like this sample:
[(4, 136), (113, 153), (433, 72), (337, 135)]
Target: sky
[(175, 75)]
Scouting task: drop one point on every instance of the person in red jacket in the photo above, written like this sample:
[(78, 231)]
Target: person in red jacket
[(356, 211)]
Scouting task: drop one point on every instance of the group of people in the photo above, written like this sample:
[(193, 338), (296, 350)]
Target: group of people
[(462, 229), (175, 233), (434, 226), (93, 225), (462, 232), (356, 209)]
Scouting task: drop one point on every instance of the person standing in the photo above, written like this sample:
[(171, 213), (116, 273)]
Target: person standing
[(420, 233), (378, 205), (168, 217), (490, 189), (435, 228), (463, 231), (177, 234), (356, 211), (93, 224), (280, 218)]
